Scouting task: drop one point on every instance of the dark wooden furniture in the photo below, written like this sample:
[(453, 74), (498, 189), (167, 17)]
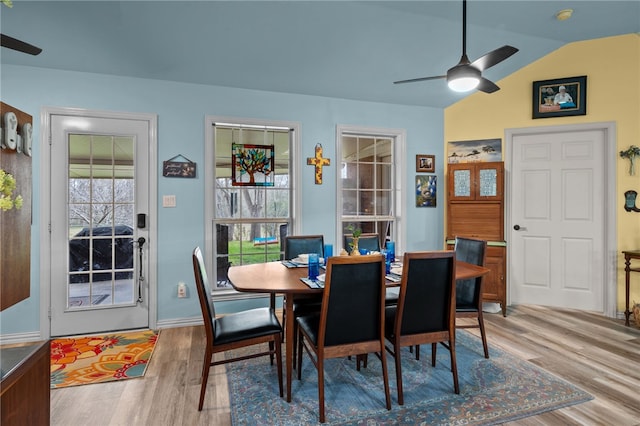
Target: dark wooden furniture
[(475, 209), (26, 383), (628, 255), (15, 225), (428, 315), (343, 328), (469, 292), (274, 277), (233, 331)]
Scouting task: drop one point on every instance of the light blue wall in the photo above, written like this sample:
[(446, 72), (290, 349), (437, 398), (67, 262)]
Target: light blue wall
[(181, 109)]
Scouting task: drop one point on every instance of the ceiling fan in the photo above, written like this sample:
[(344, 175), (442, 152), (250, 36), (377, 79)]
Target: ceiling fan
[(467, 75), (19, 45)]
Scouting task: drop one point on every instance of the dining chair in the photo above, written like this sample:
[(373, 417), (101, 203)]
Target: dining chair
[(425, 312), (233, 331), (295, 245), (350, 321), (469, 292), (370, 242)]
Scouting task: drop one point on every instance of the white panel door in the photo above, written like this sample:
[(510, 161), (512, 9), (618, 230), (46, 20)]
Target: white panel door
[(100, 185), (557, 216)]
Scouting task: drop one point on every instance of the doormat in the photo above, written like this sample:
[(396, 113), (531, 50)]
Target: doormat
[(84, 300), (102, 358)]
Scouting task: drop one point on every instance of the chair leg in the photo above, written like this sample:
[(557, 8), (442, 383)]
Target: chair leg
[(278, 345), (417, 352), (434, 348), (454, 366), (483, 334), (271, 349), (205, 376), (385, 376), (298, 360), (321, 388), (397, 355)]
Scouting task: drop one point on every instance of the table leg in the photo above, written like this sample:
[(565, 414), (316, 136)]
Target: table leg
[(627, 270), (289, 341)]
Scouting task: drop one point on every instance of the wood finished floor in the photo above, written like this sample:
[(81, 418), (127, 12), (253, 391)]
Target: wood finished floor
[(598, 354)]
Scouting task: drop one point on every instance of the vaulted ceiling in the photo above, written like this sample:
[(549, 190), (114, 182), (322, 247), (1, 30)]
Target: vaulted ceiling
[(340, 49)]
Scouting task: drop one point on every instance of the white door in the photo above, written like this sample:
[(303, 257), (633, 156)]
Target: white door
[(557, 235), (99, 177)]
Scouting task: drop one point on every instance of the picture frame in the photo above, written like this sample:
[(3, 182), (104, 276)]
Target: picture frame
[(426, 191), (474, 151), (425, 163), (548, 101)]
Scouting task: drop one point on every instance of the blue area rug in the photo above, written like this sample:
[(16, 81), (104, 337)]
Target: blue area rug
[(492, 391)]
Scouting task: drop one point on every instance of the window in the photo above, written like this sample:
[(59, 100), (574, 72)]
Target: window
[(251, 211), (369, 182)]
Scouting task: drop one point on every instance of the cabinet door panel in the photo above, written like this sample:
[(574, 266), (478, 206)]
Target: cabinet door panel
[(474, 220)]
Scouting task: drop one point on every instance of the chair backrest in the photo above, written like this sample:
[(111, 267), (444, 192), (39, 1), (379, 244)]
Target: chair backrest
[(204, 294), (369, 242), (295, 245), (470, 250), (426, 302), (353, 300)]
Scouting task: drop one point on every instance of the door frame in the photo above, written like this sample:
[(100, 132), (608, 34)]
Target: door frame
[(610, 212), (45, 205)]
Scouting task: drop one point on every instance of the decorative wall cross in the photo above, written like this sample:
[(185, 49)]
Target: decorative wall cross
[(318, 161)]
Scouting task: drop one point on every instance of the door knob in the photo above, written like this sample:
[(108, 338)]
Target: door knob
[(516, 227)]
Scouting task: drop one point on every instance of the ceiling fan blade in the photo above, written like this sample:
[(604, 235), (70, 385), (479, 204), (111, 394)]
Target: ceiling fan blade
[(20, 46), (494, 57), (412, 80), (487, 86)]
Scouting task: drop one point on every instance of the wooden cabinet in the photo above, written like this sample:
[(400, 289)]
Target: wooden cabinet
[(475, 208), (495, 289), (25, 385), (476, 181)]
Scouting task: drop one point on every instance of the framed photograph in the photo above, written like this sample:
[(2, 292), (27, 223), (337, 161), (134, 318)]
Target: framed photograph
[(560, 98), (426, 191), (425, 163)]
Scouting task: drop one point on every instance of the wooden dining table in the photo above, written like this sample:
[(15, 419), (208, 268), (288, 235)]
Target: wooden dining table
[(276, 278)]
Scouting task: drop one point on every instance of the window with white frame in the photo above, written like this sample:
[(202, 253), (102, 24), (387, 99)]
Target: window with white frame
[(251, 211), (368, 184)]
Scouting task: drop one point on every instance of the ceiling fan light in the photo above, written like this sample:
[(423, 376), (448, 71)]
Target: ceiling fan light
[(463, 84)]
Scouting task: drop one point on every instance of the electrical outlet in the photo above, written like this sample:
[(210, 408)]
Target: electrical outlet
[(182, 290)]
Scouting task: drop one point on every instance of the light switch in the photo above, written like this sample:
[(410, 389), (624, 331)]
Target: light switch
[(168, 201)]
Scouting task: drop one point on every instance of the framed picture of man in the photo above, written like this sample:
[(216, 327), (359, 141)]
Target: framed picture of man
[(560, 97)]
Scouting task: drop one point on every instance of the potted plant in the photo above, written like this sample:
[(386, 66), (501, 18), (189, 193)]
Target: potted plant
[(631, 153), (355, 235)]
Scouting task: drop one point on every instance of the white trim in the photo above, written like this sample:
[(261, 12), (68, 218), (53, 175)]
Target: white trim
[(399, 165), (8, 339), (45, 205), (610, 286), (209, 164)]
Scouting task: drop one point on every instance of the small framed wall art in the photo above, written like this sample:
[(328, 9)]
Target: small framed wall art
[(425, 163), (560, 97)]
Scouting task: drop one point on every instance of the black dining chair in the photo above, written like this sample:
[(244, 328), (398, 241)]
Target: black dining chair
[(370, 242), (426, 310), (469, 292), (233, 331), (351, 318), (295, 245)]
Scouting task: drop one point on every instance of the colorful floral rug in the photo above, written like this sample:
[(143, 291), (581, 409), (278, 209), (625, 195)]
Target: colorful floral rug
[(98, 359), (492, 391)]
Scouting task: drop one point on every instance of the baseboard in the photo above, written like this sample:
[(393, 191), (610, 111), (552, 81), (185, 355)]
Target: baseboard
[(179, 322), (8, 339)]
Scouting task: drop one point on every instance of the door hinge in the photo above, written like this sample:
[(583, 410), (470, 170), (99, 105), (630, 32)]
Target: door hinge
[(49, 312)]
